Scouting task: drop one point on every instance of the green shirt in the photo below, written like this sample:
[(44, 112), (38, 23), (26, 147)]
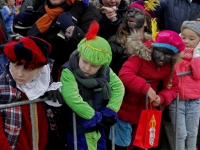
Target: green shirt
[(74, 100)]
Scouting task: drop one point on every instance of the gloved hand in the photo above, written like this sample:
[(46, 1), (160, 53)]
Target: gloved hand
[(64, 21), (107, 121), (109, 117), (93, 121), (55, 95), (25, 18)]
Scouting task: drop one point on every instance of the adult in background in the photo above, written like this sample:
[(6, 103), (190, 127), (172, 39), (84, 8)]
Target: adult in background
[(112, 13), (172, 14), (8, 15), (65, 28)]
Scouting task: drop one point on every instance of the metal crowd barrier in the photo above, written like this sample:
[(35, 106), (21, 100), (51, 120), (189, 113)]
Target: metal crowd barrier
[(31, 113), (74, 117), (32, 120)]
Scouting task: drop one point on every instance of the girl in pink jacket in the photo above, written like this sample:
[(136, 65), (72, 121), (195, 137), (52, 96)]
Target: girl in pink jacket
[(189, 103)]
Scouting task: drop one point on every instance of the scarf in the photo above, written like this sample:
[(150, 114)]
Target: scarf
[(185, 62), (188, 53), (89, 83), (42, 25)]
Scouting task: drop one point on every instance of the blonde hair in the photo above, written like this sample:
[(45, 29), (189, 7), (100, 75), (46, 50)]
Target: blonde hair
[(18, 7)]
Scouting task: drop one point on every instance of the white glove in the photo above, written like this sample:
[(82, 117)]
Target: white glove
[(196, 52)]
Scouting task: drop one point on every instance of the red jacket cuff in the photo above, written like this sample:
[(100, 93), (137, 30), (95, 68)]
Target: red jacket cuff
[(162, 101), (145, 89)]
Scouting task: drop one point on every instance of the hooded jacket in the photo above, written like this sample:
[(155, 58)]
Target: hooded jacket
[(135, 74), (120, 54), (8, 19)]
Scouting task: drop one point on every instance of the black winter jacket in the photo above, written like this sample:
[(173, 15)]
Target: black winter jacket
[(118, 54), (109, 28), (172, 13)]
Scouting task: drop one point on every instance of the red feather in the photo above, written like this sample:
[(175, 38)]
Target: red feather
[(92, 32)]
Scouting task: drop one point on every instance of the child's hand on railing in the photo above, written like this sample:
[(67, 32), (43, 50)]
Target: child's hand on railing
[(55, 95)]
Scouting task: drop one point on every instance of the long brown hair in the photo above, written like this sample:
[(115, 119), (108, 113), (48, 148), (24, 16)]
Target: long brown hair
[(123, 31)]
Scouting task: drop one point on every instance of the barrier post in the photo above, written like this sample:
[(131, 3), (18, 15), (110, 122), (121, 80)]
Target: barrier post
[(74, 131), (31, 103), (32, 127), (176, 125), (113, 137)]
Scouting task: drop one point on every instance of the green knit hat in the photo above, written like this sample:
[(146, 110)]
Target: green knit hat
[(95, 49)]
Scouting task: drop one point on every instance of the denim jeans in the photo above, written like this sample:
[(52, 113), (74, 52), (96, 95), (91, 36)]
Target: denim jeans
[(188, 122)]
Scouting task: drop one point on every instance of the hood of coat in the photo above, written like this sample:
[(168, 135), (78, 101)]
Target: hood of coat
[(136, 47)]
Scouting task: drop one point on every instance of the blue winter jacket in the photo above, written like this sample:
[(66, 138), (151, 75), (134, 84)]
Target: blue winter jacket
[(8, 18), (172, 13)]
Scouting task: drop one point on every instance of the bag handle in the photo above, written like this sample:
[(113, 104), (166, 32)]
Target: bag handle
[(151, 106)]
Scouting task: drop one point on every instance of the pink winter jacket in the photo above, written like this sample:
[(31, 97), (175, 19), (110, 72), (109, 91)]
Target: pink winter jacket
[(189, 84)]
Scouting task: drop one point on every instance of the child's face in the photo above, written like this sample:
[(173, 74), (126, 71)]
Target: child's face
[(21, 75), (162, 56), (16, 11), (87, 68), (190, 38), (135, 18)]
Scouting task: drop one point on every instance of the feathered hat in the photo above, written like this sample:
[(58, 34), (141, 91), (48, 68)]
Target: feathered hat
[(95, 49), (31, 52), (148, 7)]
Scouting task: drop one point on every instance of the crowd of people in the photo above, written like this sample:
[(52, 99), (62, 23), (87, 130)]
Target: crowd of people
[(93, 58)]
